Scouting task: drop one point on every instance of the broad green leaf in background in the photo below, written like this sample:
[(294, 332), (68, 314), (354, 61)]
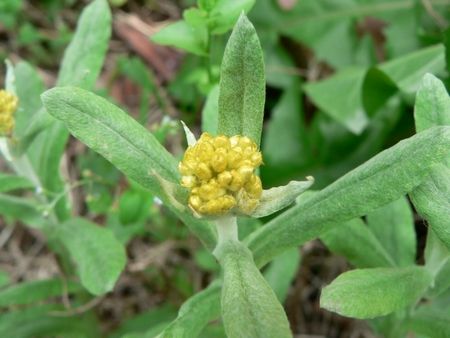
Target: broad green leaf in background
[(210, 112), (282, 271), (354, 240), (34, 291), (224, 14), (250, 308), (242, 84), (383, 179), (99, 256), (320, 23), (182, 35), (13, 182), (285, 137), (340, 97), (407, 71), (369, 293), (124, 142), (393, 226), (432, 197), (195, 314)]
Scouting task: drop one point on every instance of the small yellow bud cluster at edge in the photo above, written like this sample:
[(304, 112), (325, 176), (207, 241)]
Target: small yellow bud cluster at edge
[(8, 105), (219, 171)]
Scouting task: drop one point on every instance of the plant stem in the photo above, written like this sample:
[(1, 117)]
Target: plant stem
[(226, 231)]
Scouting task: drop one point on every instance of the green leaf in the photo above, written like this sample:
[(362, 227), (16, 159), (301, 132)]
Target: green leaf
[(83, 58), (139, 325), (34, 291), (437, 261), (355, 241), (284, 139), (432, 197), (275, 199), (242, 84), (250, 308), (383, 179), (369, 293), (340, 97), (393, 225), (430, 323), (432, 201), (99, 256), (29, 86), (184, 36), (12, 182), (38, 321), (407, 71), (432, 107), (282, 271), (25, 210), (224, 14), (81, 65), (195, 314), (124, 142), (210, 112)]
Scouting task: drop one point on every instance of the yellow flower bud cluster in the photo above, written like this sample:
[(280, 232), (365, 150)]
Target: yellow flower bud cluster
[(8, 105), (219, 171)]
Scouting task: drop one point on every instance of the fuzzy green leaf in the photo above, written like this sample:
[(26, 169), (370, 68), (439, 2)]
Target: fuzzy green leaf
[(242, 84), (369, 293), (83, 59), (384, 178), (432, 201), (432, 107), (99, 256), (393, 225), (124, 142), (275, 199), (250, 308), (432, 197), (195, 314), (355, 241)]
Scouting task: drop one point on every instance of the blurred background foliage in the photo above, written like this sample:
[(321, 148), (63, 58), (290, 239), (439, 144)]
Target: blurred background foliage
[(341, 82)]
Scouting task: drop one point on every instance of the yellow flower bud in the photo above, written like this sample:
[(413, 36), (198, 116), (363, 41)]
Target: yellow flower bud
[(219, 171), (8, 106)]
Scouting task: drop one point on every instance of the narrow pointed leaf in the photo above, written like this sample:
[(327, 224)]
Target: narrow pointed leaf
[(384, 178), (275, 199), (370, 293), (242, 84)]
